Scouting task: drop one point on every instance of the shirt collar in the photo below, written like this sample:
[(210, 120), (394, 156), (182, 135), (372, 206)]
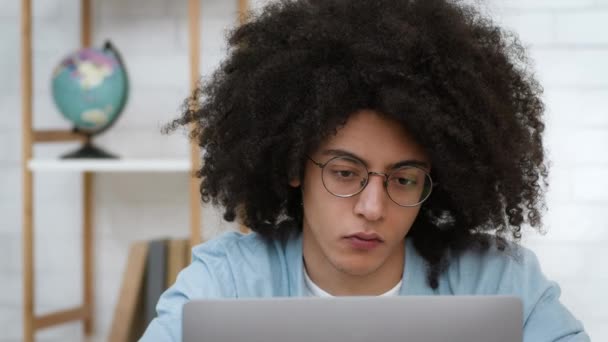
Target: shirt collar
[(414, 272)]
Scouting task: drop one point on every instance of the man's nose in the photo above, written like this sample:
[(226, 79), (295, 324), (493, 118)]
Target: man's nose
[(371, 201)]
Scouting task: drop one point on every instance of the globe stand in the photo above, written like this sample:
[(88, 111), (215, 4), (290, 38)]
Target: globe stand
[(106, 101), (88, 150)]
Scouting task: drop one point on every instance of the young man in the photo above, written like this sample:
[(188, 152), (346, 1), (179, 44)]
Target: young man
[(374, 147)]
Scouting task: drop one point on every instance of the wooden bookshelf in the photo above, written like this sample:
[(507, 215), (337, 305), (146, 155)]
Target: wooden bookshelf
[(88, 168)]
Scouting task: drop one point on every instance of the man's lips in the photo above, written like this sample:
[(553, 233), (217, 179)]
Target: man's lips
[(364, 241), (365, 236)]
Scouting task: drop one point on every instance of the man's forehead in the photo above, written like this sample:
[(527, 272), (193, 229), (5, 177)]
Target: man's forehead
[(387, 164)]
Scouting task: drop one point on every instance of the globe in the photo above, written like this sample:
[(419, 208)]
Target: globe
[(90, 89)]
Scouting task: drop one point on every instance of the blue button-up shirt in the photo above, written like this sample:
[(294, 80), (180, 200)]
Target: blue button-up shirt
[(240, 266)]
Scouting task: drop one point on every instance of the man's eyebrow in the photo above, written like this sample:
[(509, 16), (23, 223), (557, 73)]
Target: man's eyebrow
[(402, 163), (411, 162)]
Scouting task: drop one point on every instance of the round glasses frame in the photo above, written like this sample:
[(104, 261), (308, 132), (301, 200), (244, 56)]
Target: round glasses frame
[(386, 177)]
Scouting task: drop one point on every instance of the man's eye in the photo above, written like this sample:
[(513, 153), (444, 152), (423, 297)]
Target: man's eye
[(345, 173), (406, 181)]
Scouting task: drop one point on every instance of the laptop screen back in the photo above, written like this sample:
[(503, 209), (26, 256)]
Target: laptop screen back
[(355, 319)]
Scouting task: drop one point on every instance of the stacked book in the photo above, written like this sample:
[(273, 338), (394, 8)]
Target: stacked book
[(152, 267)]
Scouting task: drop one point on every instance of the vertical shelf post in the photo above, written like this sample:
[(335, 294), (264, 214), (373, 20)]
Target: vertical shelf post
[(243, 10), (26, 155), (88, 297), (194, 9)]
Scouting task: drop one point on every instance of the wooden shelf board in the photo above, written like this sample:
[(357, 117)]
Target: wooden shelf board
[(117, 165)]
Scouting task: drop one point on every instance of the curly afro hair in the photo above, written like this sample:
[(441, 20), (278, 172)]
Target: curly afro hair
[(458, 83)]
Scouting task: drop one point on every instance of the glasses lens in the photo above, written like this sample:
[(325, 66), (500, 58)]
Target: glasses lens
[(409, 186), (344, 176)]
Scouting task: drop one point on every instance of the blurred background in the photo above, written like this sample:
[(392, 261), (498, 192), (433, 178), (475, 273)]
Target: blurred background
[(566, 40)]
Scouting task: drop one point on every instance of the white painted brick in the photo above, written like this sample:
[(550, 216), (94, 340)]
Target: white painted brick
[(560, 184), (527, 5), (49, 186), (59, 290), (111, 253), (209, 63), (10, 111), (143, 35), (577, 145), (70, 331), (44, 64), (110, 10), (152, 144), (10, 321), (213, 223), (45, 114), (133, 210), (10, 183), (53, 253), (136, 222), (10, 221), (214, 31), (63, 218), (588, 27), (583, 299), (592, 183), (131, 188), (597, 328), (576, 267), (9, 9), (11, 253), (138, 212), (54, 291), (257, 5), (569, 221), (531, 28), (10, 56), (571, 68), (56, 34), (106, 302), (40, 9), (577, 108), (158, 71), (570, 259), (209, 9), (8, 143), (59, 217), (50, 9), (151, 107)]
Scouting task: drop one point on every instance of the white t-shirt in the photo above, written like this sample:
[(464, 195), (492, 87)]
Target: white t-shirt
[(313, 290)]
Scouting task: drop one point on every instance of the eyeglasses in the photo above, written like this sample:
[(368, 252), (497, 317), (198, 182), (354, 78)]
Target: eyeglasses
[(407, 186)]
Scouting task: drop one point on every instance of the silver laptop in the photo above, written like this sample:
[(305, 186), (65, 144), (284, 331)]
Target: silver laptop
[(355, 319)]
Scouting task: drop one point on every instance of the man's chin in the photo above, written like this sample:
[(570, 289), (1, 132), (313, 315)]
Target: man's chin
[(358, 267)]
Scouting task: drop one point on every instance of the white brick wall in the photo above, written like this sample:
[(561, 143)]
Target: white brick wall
[(567, 41)]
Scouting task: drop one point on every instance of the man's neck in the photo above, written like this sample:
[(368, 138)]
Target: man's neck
[(340, 282)]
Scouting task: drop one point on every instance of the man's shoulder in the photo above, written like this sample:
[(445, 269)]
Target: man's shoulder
[(232, 243), (494, 270), (248, 253), (254, 266)]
